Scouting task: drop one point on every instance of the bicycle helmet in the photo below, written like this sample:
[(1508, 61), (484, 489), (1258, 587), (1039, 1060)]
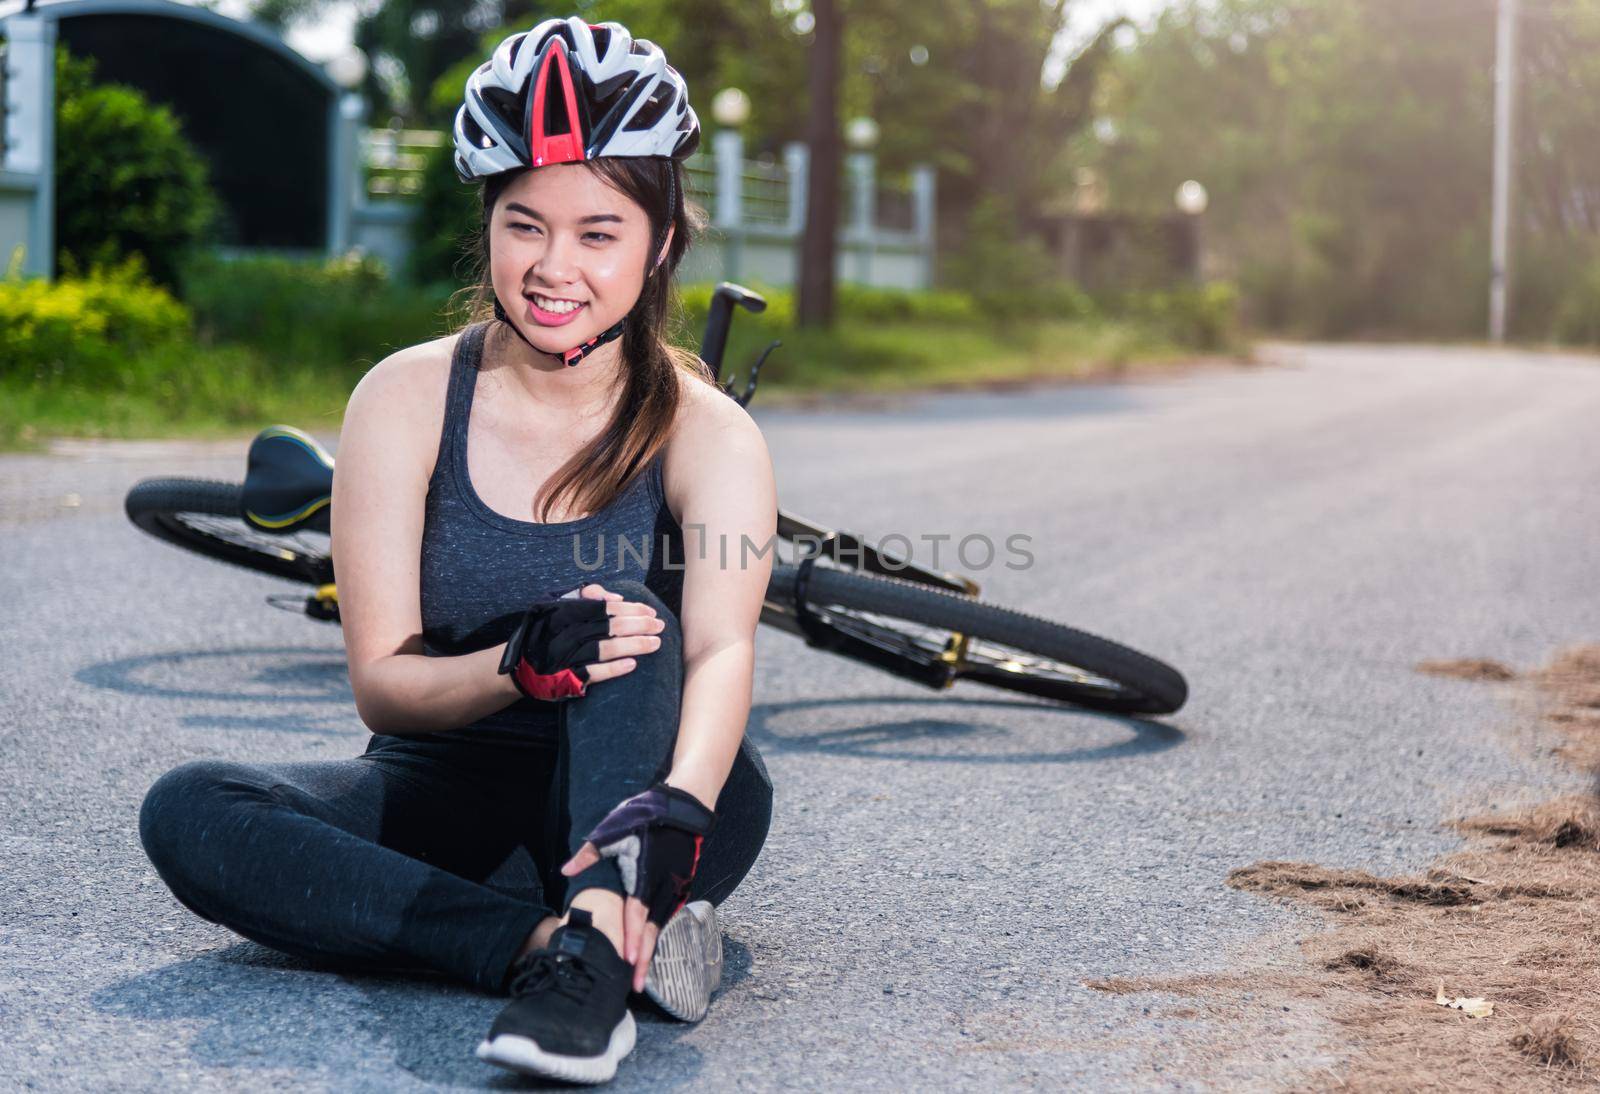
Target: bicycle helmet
[(568, 91)]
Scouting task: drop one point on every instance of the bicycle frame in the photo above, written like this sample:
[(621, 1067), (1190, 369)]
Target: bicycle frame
[(800, 619)]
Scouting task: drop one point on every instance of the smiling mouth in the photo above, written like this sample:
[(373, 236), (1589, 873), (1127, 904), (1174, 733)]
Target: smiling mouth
[(554, 305)]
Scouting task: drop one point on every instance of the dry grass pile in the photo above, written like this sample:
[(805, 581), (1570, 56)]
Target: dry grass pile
[(1468, 668), (1508, 927)]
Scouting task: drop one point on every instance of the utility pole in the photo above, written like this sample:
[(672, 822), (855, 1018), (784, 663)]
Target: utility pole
[(819, 242), (1505, 79)]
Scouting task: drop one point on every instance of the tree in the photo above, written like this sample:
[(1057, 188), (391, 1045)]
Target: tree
[(410, 43), (1346, 147), (817, 246)]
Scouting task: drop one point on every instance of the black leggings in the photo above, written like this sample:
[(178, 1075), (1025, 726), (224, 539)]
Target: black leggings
[(438, 854)]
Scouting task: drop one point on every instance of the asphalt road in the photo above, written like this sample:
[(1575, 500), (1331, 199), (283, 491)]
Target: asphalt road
[(945, 870)]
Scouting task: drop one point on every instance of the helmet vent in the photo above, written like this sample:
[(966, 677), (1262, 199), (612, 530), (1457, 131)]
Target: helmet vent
[(650, 112), (503, 103), (555, 102)]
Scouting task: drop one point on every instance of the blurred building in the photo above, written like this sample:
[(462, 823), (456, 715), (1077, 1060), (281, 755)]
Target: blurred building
[(277, 132)]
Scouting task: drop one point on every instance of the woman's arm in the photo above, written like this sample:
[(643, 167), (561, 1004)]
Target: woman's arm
[(380, 483), (380, 486), (721, 477)]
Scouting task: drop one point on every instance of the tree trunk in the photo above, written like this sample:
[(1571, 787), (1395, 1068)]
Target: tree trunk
[(818, 244)]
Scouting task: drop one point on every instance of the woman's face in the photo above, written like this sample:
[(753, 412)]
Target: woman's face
[(566, 254)]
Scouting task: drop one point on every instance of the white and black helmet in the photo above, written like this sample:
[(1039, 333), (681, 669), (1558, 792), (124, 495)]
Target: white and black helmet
[(568, 91)]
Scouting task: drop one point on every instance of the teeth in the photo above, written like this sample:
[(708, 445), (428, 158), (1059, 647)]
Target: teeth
[(559, 307)]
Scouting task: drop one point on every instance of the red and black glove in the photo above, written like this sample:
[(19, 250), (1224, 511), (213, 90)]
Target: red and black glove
[(548, 654), (655, 838)]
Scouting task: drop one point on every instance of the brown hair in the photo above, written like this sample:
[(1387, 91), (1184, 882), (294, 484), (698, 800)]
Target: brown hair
[(648, 405)]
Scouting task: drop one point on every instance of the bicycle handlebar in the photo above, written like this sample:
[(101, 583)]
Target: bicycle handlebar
[(720, 318)]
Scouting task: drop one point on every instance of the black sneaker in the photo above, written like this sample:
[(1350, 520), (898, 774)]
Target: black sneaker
[(569, 1019)]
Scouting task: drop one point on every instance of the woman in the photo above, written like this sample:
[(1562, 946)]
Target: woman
[(557, 768)]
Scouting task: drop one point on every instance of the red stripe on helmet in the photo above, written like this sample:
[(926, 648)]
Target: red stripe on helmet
[(545, 147)]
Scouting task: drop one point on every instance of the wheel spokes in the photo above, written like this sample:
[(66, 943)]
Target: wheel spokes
[(239, 534)]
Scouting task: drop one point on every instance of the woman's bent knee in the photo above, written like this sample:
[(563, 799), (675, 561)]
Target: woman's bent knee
[(744, 815), (181, 807)]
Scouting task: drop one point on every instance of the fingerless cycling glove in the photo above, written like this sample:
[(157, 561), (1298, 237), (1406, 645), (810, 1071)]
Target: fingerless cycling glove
[(655, 838), (555, 640)]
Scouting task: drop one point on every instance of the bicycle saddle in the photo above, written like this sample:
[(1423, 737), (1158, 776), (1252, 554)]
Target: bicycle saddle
[(289, 483)]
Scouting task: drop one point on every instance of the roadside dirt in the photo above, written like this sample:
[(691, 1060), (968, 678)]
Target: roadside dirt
[(1507, 927)]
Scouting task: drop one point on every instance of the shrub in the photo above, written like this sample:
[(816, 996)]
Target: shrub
[(1203, 317), (86, 330), (695, 301), (1577, 319), (999, 265), (1548, 274), (448, 210), (1049, 300), (874, 305), (127, 182), (869, 304), (331, 312)]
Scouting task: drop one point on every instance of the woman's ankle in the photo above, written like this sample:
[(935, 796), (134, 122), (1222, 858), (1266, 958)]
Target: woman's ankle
[(605, 909), (539, 937), (603, 906)]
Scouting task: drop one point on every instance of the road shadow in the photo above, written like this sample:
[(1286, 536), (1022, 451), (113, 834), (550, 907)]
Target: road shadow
[(302, 676), (266, 1010), (283, 676), (941, 738)]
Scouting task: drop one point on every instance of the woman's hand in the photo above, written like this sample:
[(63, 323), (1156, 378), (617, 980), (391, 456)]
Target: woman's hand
[(655, 838), (634, 627), (564, 643)]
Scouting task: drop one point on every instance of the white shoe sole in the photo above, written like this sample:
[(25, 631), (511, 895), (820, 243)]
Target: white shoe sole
[(523, 1054), (687, 968)]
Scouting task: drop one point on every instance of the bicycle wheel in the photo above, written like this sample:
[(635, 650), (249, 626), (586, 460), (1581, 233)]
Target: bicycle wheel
[(1005, 648), (207, 517)]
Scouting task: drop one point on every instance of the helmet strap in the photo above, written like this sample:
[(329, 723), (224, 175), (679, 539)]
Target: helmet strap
[(577, 353)]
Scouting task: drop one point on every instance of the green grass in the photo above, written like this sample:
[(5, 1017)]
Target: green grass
[(861, 357), (213, 392), (197, 393)]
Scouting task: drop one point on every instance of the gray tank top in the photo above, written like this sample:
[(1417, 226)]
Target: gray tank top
[(481, 569)]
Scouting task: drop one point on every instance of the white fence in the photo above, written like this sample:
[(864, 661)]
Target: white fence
[(758, 213)]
